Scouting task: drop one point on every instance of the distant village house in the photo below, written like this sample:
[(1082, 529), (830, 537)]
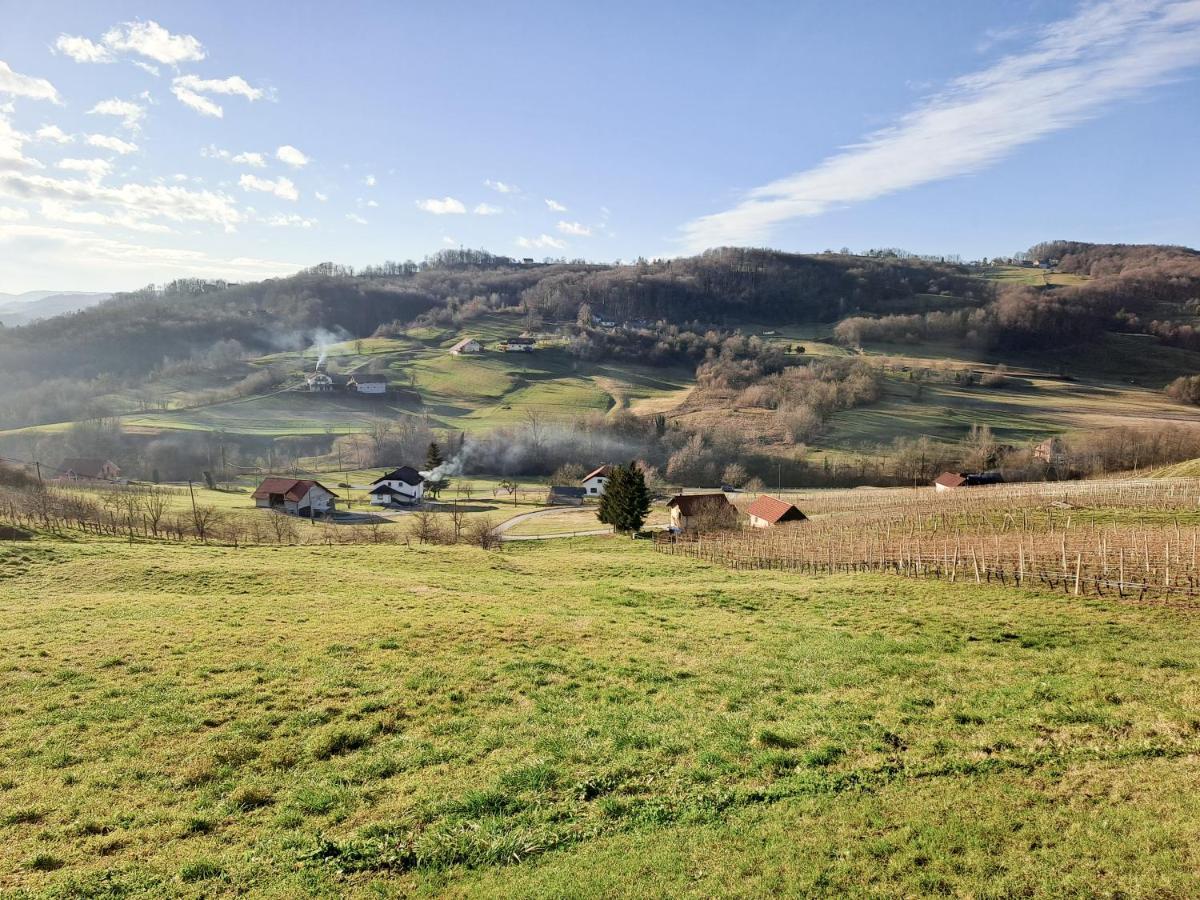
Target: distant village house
[(365, 383), (766, 512), (518, 345), (86, 469), (565, 495), (466, 345), (595, 481), (404, 486), (692, 511), (948, 481), (296, 497)]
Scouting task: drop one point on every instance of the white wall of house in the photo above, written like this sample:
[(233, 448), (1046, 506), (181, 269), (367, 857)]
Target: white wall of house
[(756, 522), (412, 493), (371, 387), (595, 485), (317, 499)]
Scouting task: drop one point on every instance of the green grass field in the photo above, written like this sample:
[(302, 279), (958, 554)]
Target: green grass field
[(582, 718)]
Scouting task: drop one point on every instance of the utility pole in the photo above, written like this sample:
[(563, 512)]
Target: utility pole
[(37, 465), (192, 494)]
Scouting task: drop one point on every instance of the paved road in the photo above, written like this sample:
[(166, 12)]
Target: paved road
[(502, 529)]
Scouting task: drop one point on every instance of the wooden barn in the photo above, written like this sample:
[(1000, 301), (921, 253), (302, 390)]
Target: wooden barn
[(296, 497)]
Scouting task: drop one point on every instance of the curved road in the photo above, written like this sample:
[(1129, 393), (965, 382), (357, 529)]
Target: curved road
[(502, 529)]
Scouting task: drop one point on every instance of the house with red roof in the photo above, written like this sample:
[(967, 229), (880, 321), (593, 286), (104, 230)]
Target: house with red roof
[(595, 481), (766, 512), (295, 496)]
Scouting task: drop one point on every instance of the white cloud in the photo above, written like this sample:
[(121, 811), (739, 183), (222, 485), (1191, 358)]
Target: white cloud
[(1075, 68), (26, 85), (127, 111), (448, 241), (142, 201), (12, 214), (501, 187), (250, 159), (53, 133), (57, 211), (320, 196), (355, 218), (369, 181), (576, 228), (151, 40), (190, 91), (246, 158), (291, 156), (486, 209), (443, 207), (280, 187), (371, 203), (541, 242), (82, 50), (93, 168), (556, 206), (12, 142), (279, 220), (146, 67), (108, 142)]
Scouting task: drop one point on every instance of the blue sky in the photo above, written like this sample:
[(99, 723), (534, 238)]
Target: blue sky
[(145, 141)]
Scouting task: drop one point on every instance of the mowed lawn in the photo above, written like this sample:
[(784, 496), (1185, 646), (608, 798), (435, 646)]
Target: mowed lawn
[(578, 718)]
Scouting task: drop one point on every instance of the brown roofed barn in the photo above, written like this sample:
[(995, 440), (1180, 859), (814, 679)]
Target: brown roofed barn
[(767, 511), (296, 497)]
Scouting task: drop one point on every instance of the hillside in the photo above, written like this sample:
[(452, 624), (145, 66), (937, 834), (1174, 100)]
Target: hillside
[(760, 345), (358, 720)]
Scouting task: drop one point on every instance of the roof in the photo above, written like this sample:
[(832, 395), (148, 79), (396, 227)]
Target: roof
[(773, 510), (87, 466), (562, 490), (406, 474), (290, 488), (950, 479), (604, 471), (367, 378), (521, 340), (690, 504), (463, 343)]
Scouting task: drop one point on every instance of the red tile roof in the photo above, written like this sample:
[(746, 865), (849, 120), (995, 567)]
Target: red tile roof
[(690, 504), (950, 480), (291, 488), (603, 472), (772, 510)]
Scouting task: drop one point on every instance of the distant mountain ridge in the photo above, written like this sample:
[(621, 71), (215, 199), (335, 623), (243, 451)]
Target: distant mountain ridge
[(30, 306)]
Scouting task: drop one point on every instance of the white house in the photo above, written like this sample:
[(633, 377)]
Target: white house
[(595, 481), (365, 383), (319, 381), (466, 345), (518, 345), (296, 497), (403, 485)]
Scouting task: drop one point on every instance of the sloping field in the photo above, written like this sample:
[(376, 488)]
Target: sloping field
[(585, 718)]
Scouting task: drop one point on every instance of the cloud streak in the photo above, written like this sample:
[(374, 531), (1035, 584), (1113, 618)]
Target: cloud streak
[(1076, 68)]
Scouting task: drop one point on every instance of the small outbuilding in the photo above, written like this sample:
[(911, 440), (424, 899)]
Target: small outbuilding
[(692, 511), (948, 481), (565, 495), (295, 496), (367, 383), (404, 485), (595, 481), (466, 345), (518, 345), (78, 468), (766, 512)]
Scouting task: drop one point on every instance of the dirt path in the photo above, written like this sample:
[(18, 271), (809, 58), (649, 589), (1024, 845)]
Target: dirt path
[(504, 527)]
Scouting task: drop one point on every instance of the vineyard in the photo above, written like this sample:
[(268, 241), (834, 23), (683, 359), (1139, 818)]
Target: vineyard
[(1121, 539)]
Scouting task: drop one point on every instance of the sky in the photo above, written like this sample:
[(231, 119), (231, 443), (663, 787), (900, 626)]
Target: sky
[(141, 142)]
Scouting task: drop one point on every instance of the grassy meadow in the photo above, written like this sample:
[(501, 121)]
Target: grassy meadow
[(578, 718)]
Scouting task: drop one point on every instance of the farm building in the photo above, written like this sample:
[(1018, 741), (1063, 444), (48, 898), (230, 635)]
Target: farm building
[(518, 345), (404, 485), (767, 511), (565, 495), (296, 497), (595, 481), (1052, 451), (691, 511), (466, 345), (366, 383), (319, 382), (85, 469), (948, 481)]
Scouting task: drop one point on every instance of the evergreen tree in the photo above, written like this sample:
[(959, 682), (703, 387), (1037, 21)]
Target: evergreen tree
[(626, 501), (435, 482)]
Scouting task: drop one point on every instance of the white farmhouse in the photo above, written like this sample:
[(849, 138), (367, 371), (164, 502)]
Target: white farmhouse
[(403, 485), (595, 481), (466, 345)]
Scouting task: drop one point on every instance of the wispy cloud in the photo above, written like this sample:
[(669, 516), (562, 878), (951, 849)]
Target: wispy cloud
[(541, 242), (246, 158), (575, 228), (108, 142), (127, 111), (501, 187), (446, 206), (369, 181), (19, 85), (281, 187), (53, 133), (356, 219), (1076, 68), (151, 40), (191, 91), (486, 209), (82, 50), (555, 206), (93, 168)]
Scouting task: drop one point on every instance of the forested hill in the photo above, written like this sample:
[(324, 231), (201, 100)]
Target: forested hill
[(133, 333), (883, 296)]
